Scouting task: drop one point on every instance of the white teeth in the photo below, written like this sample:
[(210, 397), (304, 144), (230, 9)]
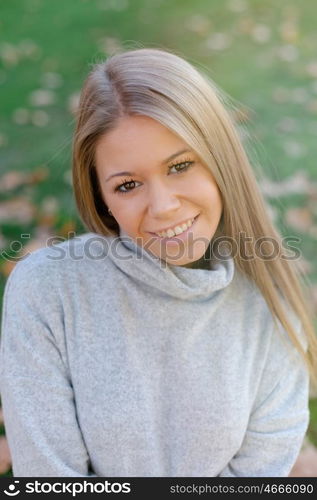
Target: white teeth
[(170, 233), (176, 230), (179, 230)]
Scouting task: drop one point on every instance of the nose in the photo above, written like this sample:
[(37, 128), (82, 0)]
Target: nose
[(162, 201)]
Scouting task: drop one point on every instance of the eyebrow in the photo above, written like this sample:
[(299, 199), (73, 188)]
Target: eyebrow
[(163, 162)]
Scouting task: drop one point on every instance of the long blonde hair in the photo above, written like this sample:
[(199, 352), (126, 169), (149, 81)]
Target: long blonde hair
[(164, 86)]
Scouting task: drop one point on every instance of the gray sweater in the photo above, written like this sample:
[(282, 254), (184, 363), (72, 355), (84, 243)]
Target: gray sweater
[(113, 364)]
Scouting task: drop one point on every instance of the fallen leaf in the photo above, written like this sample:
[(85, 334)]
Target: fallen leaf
[(306, 463), (294, 149), (21, 116), (311, 69), (287, 124), (6, 267), (9, 54), (50, 205), (237, 6), (312, 231), (281, 94), (109, 45), (73, 102), (12, 180), (261, 33), (298, 183), (39, 174), (46, 220), (18, 209), (42, 97), (299, 218), (218, 41), (40, 241), (67, 177), (299, 95), (198, 24), (287, 53), (5, 457), (245, 25), (40, 118), (67, 228), (289, 31), (312, 106)]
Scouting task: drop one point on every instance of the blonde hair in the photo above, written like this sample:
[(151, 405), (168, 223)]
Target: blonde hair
[(164, 86)]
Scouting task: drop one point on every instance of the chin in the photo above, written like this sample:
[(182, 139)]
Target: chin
[(179, 262), (180, 255), (185, 260)]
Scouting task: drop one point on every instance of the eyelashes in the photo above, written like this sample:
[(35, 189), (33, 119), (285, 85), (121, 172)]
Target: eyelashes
[(187, 164)]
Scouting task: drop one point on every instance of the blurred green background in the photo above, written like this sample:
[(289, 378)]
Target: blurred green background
[(262, 53)]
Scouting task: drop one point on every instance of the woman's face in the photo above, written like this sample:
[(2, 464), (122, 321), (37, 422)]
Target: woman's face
[(156, 186)]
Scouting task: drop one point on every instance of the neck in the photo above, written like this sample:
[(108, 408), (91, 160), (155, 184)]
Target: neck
[(202, 263)]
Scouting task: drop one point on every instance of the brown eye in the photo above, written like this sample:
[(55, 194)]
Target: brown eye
[(126, 187), (182, 167)]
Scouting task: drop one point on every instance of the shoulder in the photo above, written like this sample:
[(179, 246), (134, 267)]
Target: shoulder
[(262, 327), (52, 265), (246, 295)]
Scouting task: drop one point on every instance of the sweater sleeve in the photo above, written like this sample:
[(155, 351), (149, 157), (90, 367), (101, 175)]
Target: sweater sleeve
[(36, 391), (278, 421)]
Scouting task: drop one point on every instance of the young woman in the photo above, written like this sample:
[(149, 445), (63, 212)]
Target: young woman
[(170, 339)]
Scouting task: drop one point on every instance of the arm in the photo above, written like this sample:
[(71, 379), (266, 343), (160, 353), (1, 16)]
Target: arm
[(37, 396), (278, 421)]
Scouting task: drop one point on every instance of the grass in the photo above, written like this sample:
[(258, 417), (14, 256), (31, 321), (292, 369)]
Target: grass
[(312, 432), (67, 37)]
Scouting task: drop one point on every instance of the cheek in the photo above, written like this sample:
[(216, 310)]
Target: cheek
[(126, 214), (126, 210), (207, 193), (217, 199)]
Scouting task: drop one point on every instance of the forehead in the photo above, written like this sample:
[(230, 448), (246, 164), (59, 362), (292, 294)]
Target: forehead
[(134, 139)]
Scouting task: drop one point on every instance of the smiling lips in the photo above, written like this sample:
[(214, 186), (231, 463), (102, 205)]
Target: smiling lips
[(176, 230)]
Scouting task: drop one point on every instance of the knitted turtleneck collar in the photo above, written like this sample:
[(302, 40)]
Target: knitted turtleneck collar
[(177, 281)]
